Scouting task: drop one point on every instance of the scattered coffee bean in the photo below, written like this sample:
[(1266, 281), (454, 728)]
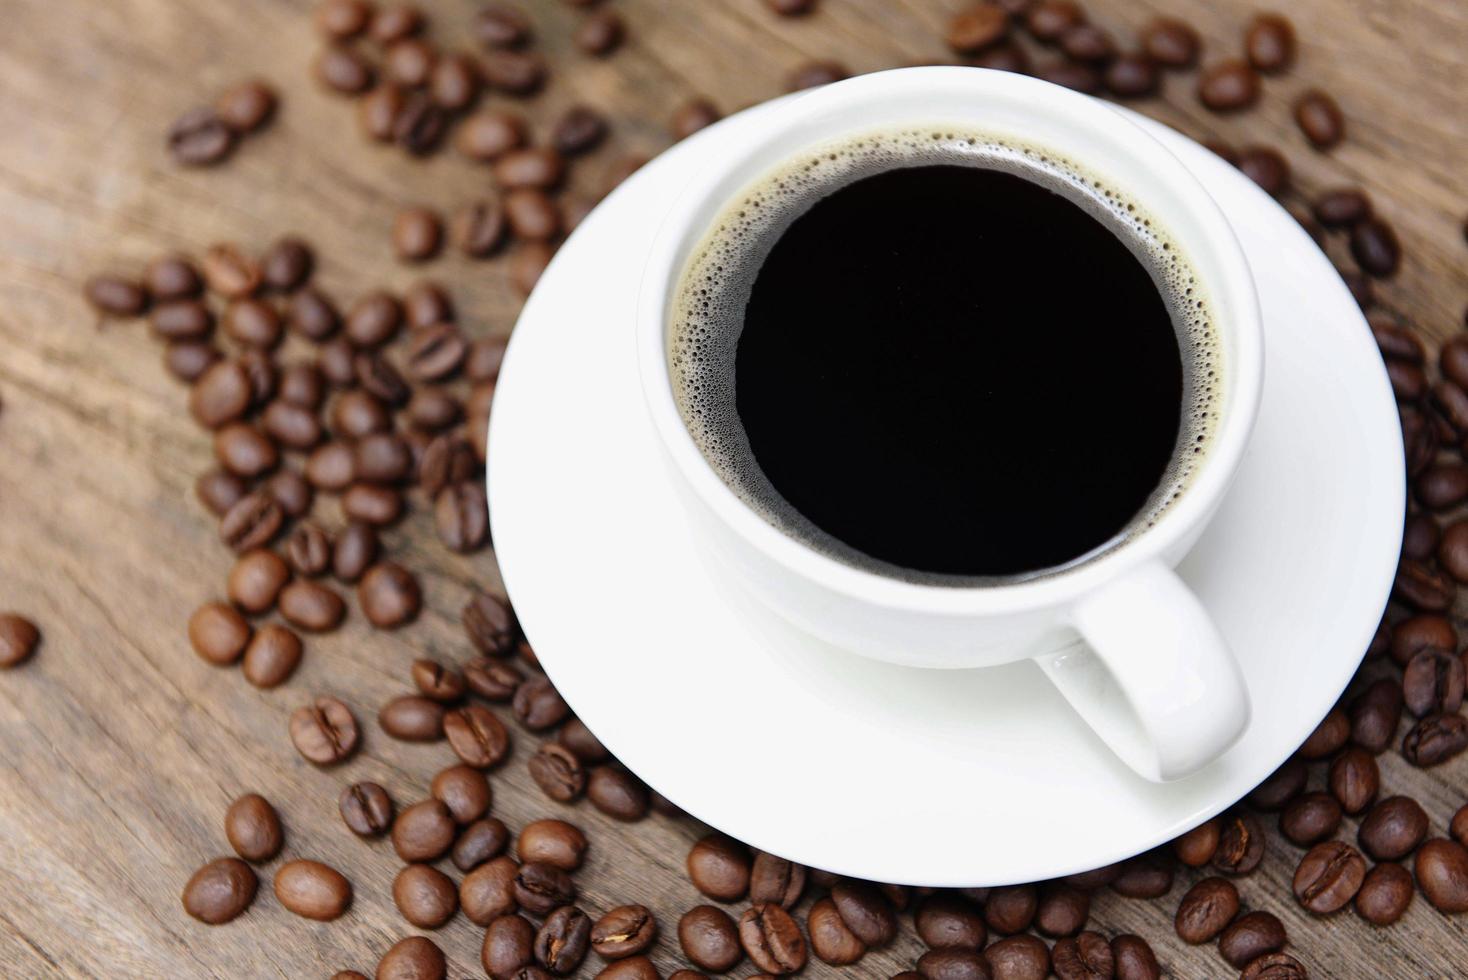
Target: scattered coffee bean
[(1309, 818), (324, 732), (366, 809), (1275, 966), (1131, 76), (1197, 847), (1441, 869), (624, 931), (1133, 958), (692, 116), (1385, 893), (1320, 119), (509, 946), (311, 606), (772, 939), (199, 138), (538, 706), (600, 33), (423, 832), (477, 737), (490, 624), (1250, 936), (1021, 957), (414, 958), (1270, 43), (542, 888), (1145, 876), (1240, 845), (479, 842), (416, 234), (1435, 739), (953, 964), (632, 968), (490, 134), (425, 896), (412, 718), (256, 580), (220, 891), (814, 74), (720, 868), (1228, 86), (866, 912), (464, 791), (115, 296), (253, 828), (1329, 876), (774, 879), (1375, 248), (1393, 828), (1170, 43), (1083, 957), (1049, 19), (710, 939), (19, 638), (493, 680), (1206, 909), (389, 595), (558, 772), (1062, 910), (1281, 786), (312, 890), (1354, 779), (218, 633), (309, 550), (562, 940), (1432, 682), (1011, 909), (1266, 167), (977, 27), (251, 522), (354, 552), (488, 892)]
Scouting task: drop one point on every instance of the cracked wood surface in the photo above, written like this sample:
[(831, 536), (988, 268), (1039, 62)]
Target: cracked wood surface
[(119, 749)]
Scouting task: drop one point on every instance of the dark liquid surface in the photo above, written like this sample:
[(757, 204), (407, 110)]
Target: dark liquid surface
[(958, 371)]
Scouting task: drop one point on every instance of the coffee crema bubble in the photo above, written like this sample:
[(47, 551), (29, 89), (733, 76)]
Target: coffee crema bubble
[(722, 275)]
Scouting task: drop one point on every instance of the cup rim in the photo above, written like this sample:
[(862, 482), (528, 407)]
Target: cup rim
[(1230, 284)]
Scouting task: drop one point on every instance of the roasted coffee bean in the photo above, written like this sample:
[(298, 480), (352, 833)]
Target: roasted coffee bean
[(536, 168), (489, 134), (1441, 868), (692, 116), (1250, 936), (1374, 715), (256, 579), (1240, 844), (1342, 208), (324, 732), (774, 879), (1002, 57), (409, 62), (1417, 633), (181, 319), (438, 682), (1381, 640), (354, 552), (343, 18), (461, 515), (578, 130), (464, 791), (600, 32), (187, 360), (1385, 893), (634, 968), (1408, 381), (412, 718), (814, 74), (310, 314), (541, 888), (287, 264), (710, 939), (454, 81), (423, 832), (414, 958), (220, 891), (290, 490), (1451, 404), (1011, 909), (1062, 910), (509, 946), (1393, 828), (538, 706), (116, 296), (1047, 20), (1421, 587), (221, 395), (479, 228), (493, 680), (501, 25), (271, 656), (1354, 779), (1086, 957), (1309, 818), (1131, 76), (355, 414), (200, 138), (1432, 682), (433, 410), (952, 964), (303, 386), (1145, 876), (488, 892), (253, 828), (1328, 877), (562, 940), (1087, 42), (557, 772), (373, 320), (1133, 958), (1270, 43), (425, 896), (490, 624), (624, 931), (772, 939), (291, 426), (977, 28), (389, 595), (1421, 535), (435, 352), (1435, 739), (446, 459), (532, 215), (1170, 42), (1375, 248), (552, 842), (366, 809), (312, 890), (1266, 167), (1228, 86), (1320, 119), (1458, 826), (416, 234), (309, 550), (946, 922), (1205, 910), (311, 606), (1020, 957), (218, 633), (331, 467), (514, 72), (477, 737), (251, 522), (167, 277), (253, 323), (1072, 75), (1328, 736), (1281, 786), (395, 23), (617, 793), (229, 272), (527, 263), (382, 457), (720, 867), (581, 742), (479, 842), (1197, 847), (244, 450), (866, 912), (1275, 966)]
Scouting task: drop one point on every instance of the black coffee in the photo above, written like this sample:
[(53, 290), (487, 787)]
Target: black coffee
[(950, 363)]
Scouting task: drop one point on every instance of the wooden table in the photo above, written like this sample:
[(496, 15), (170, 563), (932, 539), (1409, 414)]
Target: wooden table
[(120, 749)]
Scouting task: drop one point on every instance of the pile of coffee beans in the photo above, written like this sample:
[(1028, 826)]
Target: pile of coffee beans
[(208, 134), (379, 418)]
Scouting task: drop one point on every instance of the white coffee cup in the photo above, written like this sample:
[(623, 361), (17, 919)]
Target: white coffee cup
[(1120, 635)]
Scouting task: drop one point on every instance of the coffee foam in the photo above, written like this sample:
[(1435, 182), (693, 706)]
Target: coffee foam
[(707, 313)]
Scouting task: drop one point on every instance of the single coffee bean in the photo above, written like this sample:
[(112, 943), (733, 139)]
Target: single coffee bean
[(692, 116), (1374, 246), (774, 879), (381, 380), (532, 215), (253, 828), (562, 940), (1432, 682), (1170, 42), (772, 939), (552, 842), (1011, 909), (493, 680), (446, 459), (416, 234), (116, 296), (635, 968), (461, 516), (1309, 818), (477, 737), (1435, 739), (538, 168), (947, 922), (220, 891), (253, 323), (181, 319), (1354, 779), (1320, 119), (166, 277), (464, 791), (244, 450), (542, 888), (435, 352), (1270, 43), (229, 272), (1442, 875), (710, 939), (343, 18), (433, 410), (538, 706), (977, 28), (1408, 381), (1085, 957), (578, 130), (454, 81), (953, 964), (1385, 894), (1073, 75), (479, 842), (1049, 19), (1328, 736), (617, 793), (310, 314), (1197, 847), (438, 682), (1342, 208), (302, 385), (1228, 86), (509, 946), (624, 931), (271, 656), (217, 632), (324, 732), (720, 868), (251, 522), (1087, 42), (866, 912), (501, 25), (354, 552), (1145, 876), (389, 595), (221, 395), (287, 264), (527, 263), (1328, 877), (1417, 633), (412, 718), (490, 624), (312, 890), (1240, 844), (309, 550), (1281, 786), (19, 638), (1205, 910), (256, 580), (311, 606), (187, 360), (489, 134), (423, 832), (1134, 959), (1267, 167), (425, 896), (1021, 957), (366, 809), (1250, 936), (290, 490), (409, 62), (582, 743), (396, 22), (1275, 966), (343, 70), (373, 320), (1131, 76), (558, 772), (1421, 535), (200, 138), (479, 228), (1062, 910), (414, 958), (372, 504), (488, 892), (599, 33), (1393, 828)]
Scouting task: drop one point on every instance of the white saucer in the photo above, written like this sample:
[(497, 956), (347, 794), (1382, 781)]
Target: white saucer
[(898, 774)]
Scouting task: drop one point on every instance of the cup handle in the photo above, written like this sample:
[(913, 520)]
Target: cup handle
[(1154, 679)]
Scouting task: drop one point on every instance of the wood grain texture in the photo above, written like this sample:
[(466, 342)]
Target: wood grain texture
[(120, 750)]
